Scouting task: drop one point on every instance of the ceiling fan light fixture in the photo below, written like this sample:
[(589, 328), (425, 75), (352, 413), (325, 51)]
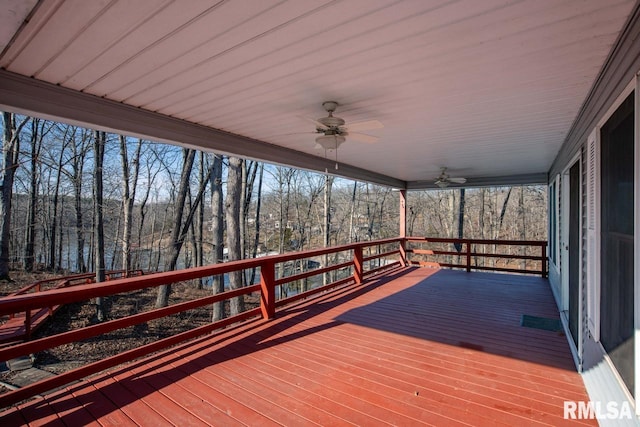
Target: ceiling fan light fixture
[(330, 142), (442, 184)]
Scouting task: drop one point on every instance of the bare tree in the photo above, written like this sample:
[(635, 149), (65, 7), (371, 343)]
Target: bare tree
[(232, 204), (130, 172), (10, 150), (256, 236), (217, 230), (142, 207), (79, 147), (37, 134), (187, 165), (180, 228), (99, 144)]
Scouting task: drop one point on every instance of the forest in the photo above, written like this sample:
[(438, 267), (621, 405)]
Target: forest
[(78, 200)]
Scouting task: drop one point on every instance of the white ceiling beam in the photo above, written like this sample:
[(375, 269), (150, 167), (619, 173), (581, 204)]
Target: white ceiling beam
[(488, 181), (33, 97)]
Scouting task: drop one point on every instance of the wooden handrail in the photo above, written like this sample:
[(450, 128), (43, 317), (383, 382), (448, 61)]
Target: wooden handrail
[(63, 282), (361, 266), (468, 253), (28, 301)]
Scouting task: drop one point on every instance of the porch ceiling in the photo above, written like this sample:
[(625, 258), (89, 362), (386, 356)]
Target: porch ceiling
[(489, 89)]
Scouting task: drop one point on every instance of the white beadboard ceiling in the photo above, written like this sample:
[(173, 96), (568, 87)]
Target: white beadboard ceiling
[(487, 88)]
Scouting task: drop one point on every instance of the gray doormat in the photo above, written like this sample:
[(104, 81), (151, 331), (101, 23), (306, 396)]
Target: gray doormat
[(541, 323)]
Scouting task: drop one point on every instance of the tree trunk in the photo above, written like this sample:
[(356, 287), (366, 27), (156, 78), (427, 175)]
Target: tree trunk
[(461, 204), (249, 172), (151, 240), (30, 236), (199, 229), (180, 230), (481, 224), (233, 205), (54, 232), (143, 214), (328, 182), (503, 211), (99, 143), (10, 150), (187, 165), (129, 185), (217, 228), (256, 237), (77, 166)]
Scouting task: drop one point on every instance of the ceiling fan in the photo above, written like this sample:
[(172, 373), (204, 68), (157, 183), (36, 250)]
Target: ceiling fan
[(444, 179), (333, 130)]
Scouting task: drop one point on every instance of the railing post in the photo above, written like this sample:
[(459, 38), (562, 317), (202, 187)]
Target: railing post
[(403, 252), (27, 324), (268, 290), (544, 261), (468, 245), (358, 264)]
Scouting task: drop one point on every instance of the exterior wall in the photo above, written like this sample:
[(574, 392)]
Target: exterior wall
[(620, 70)]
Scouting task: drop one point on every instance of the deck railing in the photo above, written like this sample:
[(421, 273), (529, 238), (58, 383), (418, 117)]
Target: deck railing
[(58, 283), (351, 257), (508, 256), (344, 265)]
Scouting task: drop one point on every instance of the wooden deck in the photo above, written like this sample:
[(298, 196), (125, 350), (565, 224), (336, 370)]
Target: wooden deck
[(421, 346)]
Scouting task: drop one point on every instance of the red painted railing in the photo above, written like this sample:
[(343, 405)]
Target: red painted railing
[(34, 319), (363, 260), (267, 309), (469, 251)]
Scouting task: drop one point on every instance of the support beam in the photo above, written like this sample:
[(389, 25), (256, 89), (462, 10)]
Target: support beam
[(489, 181), (403, 226), (268, 290), (33, 97), (358, 265), (403, 213)]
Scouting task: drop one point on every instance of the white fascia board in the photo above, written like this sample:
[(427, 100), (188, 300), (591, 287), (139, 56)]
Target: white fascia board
[(33, 97), (489, 181)]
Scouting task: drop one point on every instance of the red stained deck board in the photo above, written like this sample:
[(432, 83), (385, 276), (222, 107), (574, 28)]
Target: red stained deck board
[(12, 418), (375, 376), (476, 363), (396, 408), (40, 414), (439, 388), (14, 328), (156, 400), (295, 392), (193, 409), (221, 401), (71, 411), (357, 356), (272, 393), (127, 402), (251, 397), (360, 354), (442, 352), (100, 408), (359, 399)]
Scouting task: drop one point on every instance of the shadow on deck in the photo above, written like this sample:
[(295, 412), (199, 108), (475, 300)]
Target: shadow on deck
[(418, 346)]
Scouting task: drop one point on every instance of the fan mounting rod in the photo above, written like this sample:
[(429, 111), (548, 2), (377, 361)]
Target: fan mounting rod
[(331, 122), (330, 106)]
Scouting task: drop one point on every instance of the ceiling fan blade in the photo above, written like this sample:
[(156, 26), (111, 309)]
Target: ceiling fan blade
[(458, 180), (369, 139), (366, 125), (315, 122)]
